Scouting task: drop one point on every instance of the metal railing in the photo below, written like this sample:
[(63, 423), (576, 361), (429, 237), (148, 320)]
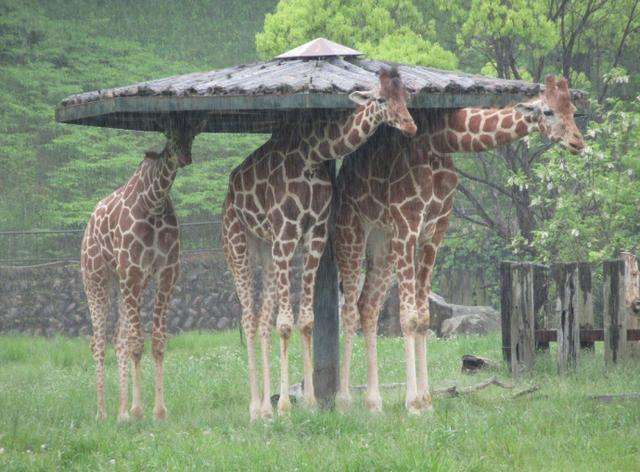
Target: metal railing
[(30, 247)]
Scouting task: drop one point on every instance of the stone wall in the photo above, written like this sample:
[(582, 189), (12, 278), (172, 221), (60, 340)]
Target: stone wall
[(49, 298)]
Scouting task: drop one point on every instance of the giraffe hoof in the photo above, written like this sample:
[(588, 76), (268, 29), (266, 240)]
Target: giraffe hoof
[(310, 402), (136, 412), (426, 402), (284, 405), (101, 416), (124, 417), (414, 407), (160, 413), (373, 404), (343, 401)]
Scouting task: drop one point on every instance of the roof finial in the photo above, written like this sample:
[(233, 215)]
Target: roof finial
[(319, 47)]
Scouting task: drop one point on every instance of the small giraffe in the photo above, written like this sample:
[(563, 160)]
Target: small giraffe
[(396, 198), (131, 237), (279, 198)]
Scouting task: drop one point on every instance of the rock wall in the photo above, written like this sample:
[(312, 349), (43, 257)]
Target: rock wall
[(50, 298)]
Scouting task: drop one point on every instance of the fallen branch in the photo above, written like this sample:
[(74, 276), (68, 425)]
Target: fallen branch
[(452, 391), (608, 398), (526, 391)]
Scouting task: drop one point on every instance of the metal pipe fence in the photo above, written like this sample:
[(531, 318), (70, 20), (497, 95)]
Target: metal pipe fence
[(31, 247)]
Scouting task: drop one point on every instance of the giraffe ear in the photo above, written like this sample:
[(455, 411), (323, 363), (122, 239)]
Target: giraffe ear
[(529, 109), (361, 97)]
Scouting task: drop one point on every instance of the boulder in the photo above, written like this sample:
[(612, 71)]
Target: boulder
[(481, 321)]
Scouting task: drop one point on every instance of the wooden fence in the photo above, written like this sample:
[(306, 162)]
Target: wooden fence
[(526, 312)]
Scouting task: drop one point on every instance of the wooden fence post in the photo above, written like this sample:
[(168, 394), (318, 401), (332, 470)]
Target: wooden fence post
[(631, 297), (540, 301), (584, 301), (615, 314), (566, 278), (505, 309), (518, 315)]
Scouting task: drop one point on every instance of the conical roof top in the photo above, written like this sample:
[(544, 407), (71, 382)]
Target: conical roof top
[(319, 47)]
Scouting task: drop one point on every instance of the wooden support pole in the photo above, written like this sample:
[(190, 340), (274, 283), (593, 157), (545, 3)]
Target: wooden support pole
[(584, 301), (518, 295), (326, 350), (615, 314), (566, 279), (540, 301)]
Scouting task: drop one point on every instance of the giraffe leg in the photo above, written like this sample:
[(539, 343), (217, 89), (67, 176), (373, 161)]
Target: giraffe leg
[(314, 244), (98, 300), (266, 311), (403, 250), (377, 281), (349, 246), (234, 242), (166, 282), (423, 289), (131, 290), (122, 355), (283, 255)]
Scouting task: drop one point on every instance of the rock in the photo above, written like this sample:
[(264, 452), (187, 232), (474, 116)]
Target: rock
[(223, 323), (481, 322)]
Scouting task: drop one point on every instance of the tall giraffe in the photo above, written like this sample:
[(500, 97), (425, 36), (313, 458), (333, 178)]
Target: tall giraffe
[(279, 197), (132, 236), (396, 199)]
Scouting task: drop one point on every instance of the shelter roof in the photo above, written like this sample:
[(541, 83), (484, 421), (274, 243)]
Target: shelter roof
[(257, 97)]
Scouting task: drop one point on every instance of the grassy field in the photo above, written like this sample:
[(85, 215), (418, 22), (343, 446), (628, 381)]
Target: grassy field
[(47, 413)]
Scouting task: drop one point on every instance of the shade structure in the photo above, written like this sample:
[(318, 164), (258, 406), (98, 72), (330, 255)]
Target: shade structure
[(257, 97), (310, 81)]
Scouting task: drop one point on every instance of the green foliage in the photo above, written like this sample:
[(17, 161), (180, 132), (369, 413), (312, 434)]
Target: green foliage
[(593, 197), (53, 175), (391, 29), (47, 414)]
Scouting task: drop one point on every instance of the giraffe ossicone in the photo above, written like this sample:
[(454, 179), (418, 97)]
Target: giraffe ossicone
[(132, 237), (396, 197), (279, 199)]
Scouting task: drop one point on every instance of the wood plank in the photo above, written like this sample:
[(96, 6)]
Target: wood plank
[(540, 300), (631, 296), (522, 320), (566, 279), (505, 309), (615, 315), (584, 302)]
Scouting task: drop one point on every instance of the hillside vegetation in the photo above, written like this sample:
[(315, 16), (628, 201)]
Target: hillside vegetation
[(54, 174)]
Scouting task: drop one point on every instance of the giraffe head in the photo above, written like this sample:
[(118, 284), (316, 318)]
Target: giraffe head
[(390, 99), (180, 137), (553, 111)]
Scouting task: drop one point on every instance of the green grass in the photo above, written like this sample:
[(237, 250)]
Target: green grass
[(47, 408)]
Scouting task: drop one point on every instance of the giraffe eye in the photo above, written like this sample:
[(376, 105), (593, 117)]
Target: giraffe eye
[(382, 100), (548, 113)]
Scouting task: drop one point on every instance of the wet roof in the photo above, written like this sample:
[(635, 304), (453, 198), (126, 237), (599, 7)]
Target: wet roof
[(257, 97)]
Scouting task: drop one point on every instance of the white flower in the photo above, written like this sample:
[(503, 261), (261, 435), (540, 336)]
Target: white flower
[(112, 461), (575, 233), (1, 450), (207, 432)]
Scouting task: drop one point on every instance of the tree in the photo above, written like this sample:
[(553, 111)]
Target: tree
[(389, 29)]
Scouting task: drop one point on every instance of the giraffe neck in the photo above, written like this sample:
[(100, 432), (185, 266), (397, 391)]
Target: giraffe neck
[(158, 175), (477, 129), (337, 139)]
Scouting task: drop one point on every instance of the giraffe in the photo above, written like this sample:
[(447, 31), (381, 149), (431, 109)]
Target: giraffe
[(131, 237), (396, 197), (280, 198)]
